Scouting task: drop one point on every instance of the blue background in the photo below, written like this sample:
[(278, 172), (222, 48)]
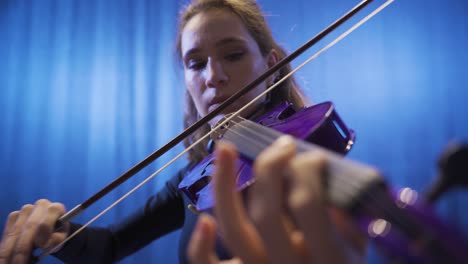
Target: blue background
[(89, 88)]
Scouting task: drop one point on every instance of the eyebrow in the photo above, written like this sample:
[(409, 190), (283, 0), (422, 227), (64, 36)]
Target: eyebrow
[(222, 42)]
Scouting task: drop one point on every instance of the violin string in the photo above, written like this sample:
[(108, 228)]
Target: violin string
[(349, 186), (248, 136), (262, 141), (314, 56), (380, 203)]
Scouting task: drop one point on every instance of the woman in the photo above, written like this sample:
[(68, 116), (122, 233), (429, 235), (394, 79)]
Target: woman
[(223, 45)]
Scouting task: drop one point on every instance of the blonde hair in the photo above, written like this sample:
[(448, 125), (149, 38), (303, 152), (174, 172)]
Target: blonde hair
[(254, 21)]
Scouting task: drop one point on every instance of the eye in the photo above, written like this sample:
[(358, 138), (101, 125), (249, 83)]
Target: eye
[(234, 56), (196, 64)]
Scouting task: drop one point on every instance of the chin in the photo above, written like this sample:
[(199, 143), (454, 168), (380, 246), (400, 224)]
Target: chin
[(215, 120)]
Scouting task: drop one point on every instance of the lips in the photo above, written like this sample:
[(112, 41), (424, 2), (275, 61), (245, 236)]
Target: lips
[(215, 102)]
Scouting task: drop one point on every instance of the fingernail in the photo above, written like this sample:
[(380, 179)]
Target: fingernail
[(202, 218), (202, 225), (284, 141)]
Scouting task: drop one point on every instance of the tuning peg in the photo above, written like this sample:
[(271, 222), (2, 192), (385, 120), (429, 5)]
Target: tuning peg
[(453, 171)]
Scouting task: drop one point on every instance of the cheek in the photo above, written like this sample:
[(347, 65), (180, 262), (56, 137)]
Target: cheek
[(195, 91), (252, 72), (255, 68), (248, 71)]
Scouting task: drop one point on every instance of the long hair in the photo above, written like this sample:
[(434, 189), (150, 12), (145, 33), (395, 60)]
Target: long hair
[(254, 21)]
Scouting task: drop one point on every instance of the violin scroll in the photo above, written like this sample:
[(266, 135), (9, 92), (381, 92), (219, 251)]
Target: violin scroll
[(453, 171)]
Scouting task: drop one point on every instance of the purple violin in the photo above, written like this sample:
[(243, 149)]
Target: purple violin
[(405, 230)]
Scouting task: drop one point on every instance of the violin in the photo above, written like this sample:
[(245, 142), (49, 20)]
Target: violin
[(319, 124), (405, 229)]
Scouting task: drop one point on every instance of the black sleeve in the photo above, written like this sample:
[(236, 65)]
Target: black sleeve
[(162, 213)]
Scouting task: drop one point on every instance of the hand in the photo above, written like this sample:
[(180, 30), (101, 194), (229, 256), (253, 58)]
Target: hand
[(287, 219), (30, 228)]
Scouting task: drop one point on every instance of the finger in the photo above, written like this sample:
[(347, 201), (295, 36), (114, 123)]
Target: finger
[(237, 231), (202, 243), (308, 207), (25, 243), (14, 227), (352, 239), (9, 237), (53, 243), (46, 235), (266, 200), (298, 241)]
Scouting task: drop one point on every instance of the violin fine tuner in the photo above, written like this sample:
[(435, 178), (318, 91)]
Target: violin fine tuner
[(193, 209)]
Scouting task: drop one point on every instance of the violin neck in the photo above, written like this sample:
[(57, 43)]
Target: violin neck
[(407, 233), (346, 180)]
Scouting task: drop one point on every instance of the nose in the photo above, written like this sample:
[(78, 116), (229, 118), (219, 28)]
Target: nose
[(215, 74)]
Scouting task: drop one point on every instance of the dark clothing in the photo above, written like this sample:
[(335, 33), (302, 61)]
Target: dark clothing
[(163, 213)]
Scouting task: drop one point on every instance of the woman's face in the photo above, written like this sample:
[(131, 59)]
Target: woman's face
[(220, 57)]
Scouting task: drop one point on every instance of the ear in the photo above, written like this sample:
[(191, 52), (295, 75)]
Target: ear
[(272, 58)]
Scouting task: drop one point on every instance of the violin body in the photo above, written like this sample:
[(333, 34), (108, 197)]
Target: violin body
[(318, 124), (404, 228)]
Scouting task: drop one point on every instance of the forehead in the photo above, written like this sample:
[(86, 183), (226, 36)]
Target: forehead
[(208, 28)]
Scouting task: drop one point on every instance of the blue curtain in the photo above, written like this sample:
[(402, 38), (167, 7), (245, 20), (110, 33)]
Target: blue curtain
[(89, 88)]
